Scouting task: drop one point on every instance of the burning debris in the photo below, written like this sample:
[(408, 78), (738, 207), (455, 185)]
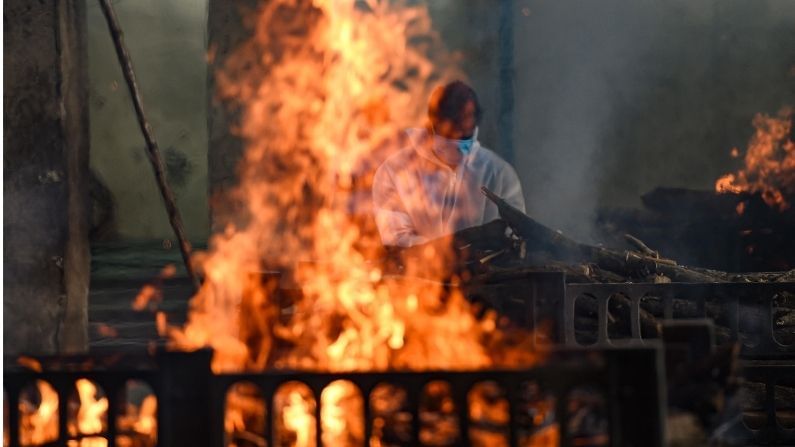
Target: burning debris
[(302, 205), (769, 163), (38, 410), (90, 418), (744, 225)]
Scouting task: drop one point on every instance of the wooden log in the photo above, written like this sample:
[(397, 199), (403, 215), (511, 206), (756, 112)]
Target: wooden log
[(618, 316), (620, 306), (640, 245), (628, 263), (753, 396), (787, 276)]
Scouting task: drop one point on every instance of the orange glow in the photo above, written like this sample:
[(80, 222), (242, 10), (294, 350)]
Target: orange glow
[(138, 425), (106, 330), (161, 322), (769, 162), (245, 414), (489, 415), (740, 208), (147, 298), (168, 271), (341, 413), (30, 363), (39, 423), (295, 425), (548, 436), (147, 421), (91, 416)]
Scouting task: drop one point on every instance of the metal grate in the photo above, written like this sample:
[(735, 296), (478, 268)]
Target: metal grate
[(771, 375), (191, 399), (112, 383), (732, 299)]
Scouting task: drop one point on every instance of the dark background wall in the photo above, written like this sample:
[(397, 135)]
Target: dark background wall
[(166, 40), (45, 173)]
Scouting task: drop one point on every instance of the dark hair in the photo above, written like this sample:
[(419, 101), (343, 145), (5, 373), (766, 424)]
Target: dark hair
[(447, 102)]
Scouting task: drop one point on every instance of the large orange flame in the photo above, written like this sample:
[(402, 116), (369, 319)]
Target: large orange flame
[(769, 162), (307, 84), (324, 89)]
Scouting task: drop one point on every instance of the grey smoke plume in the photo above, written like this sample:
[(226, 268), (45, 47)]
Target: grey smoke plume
[(616, 97)]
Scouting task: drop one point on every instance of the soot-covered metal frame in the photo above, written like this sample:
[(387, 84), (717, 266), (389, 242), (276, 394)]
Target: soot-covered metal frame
[(191, 398)]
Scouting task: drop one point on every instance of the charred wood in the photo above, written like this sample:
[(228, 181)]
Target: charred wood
[(628, 263), (734, 232)]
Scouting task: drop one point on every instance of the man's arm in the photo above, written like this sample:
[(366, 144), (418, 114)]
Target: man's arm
[(394, 223), (511, 188)]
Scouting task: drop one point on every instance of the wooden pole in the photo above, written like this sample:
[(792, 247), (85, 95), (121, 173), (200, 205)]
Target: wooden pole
[(152, 149)]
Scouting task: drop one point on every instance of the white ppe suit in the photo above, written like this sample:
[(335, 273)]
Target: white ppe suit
[(416, 197)]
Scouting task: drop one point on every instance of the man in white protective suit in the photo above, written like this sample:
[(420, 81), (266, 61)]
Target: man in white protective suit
[(432, 187)]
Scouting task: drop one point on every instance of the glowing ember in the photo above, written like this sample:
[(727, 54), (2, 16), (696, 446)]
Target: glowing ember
[(244, 418), (769, 162), (296, 424), (106, 330), (147, 298), (150, 295), (161, 322), (91, 416), (137, 424), (30, 363), (341, 411), (38, 422), (740, 208), (489, 415)]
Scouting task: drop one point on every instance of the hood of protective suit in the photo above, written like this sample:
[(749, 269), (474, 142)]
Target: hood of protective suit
[(418, 197)]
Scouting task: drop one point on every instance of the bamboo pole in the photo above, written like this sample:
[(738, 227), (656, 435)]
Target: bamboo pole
[(152, 149)]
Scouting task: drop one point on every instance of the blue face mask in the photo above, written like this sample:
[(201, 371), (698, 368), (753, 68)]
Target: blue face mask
[(463, 146)]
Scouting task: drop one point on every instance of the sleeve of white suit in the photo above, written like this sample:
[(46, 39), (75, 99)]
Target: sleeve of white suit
[(511, 188), (394, 223)]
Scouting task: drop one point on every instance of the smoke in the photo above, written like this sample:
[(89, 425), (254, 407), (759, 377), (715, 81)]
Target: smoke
[(576, 65), (614, 98)]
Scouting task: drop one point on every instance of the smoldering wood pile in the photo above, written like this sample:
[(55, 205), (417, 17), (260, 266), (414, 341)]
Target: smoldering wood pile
[(488, 250), (738, 232), (495, 266)]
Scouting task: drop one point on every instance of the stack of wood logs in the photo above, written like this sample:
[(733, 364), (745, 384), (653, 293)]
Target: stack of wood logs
[(494, 266)]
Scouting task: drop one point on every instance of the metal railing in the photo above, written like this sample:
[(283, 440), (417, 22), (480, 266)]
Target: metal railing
[(729, 300), (191, 400)]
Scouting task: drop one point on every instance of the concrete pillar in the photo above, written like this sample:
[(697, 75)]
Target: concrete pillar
[(45, 149)]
